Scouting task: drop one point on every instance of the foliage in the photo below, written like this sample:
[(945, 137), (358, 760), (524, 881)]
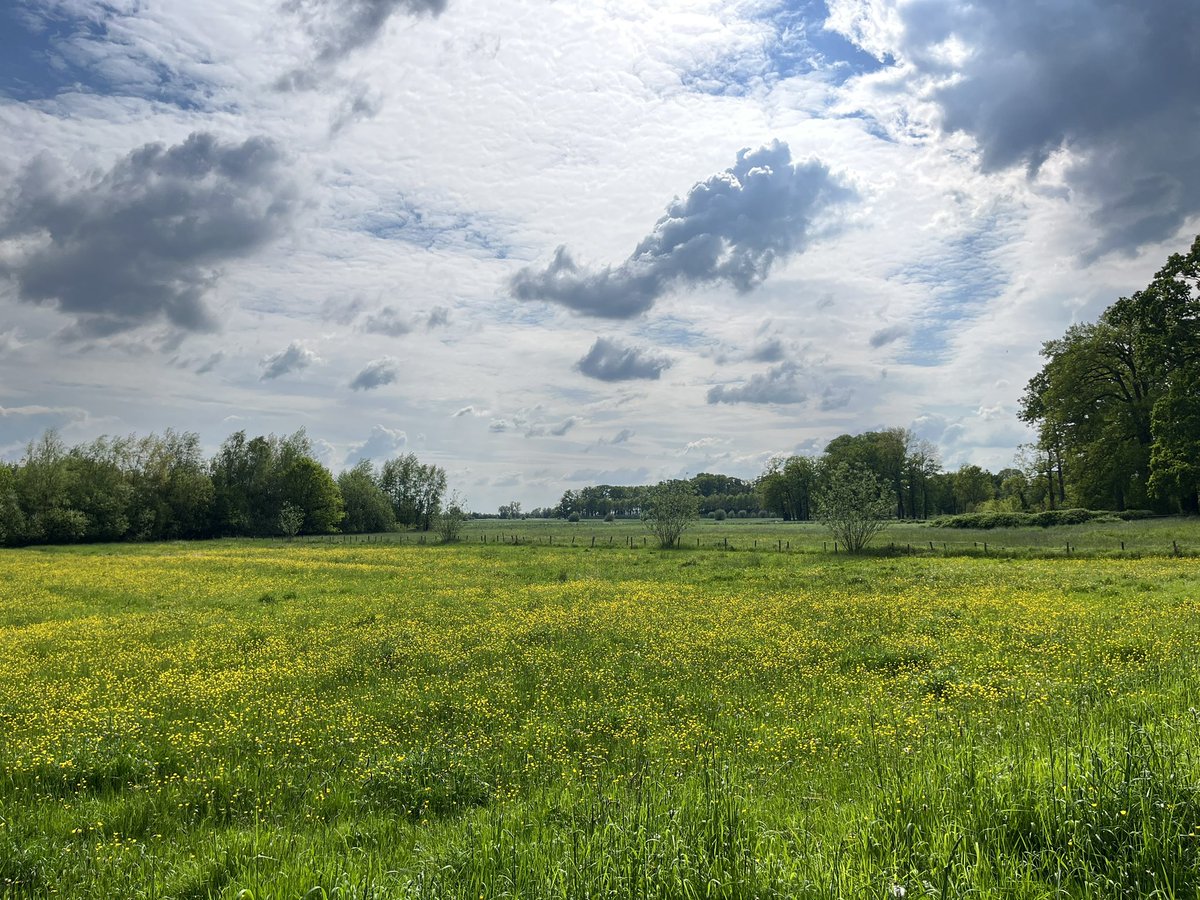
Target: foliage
[(414, 489), (451, 518), (854, 506), (1115, 403), (368, 508), (291, 519), (668, 509)]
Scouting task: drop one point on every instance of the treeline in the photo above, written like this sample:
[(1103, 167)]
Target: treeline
[(717, 493), (161, 487), (1117, 403)]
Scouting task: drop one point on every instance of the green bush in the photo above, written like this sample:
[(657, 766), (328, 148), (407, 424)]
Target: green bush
[(719, 515), (1045, 519)]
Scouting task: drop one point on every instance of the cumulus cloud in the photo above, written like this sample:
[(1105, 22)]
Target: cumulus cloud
[(465, 411), (780, 384), (382, 443), (773, 350), (609, 360), (337, 28), (388, 321), (730, 228), (145, 240), (1110, 81), (439, 317), (888, 335), (292, 358), (377, 373)]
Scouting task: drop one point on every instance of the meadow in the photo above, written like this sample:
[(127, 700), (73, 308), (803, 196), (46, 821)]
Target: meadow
[(261, 719)]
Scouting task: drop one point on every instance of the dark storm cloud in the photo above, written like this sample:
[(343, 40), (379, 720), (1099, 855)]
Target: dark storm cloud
[(145, 240), (1114, 81), (377, 373), (729, 228), (780, 384), (339, 27), (609, 360)]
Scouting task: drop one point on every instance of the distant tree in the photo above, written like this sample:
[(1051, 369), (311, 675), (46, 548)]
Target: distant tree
[(972, 486), (670, 507), (510, 510), (451, 518), (291, 518), (308, 485), (786, 487), (415, 490), (368, 509), (854, 505)]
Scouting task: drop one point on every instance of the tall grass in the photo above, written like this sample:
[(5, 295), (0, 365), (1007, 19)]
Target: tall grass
[(528, 721)]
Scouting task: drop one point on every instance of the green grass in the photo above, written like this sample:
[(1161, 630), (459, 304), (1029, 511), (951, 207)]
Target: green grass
[(260, 719)]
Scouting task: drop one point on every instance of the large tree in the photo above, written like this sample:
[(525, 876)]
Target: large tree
[(1115, 402)]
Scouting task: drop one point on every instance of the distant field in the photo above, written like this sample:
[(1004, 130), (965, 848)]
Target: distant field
[(1153, 536), (266, 720)]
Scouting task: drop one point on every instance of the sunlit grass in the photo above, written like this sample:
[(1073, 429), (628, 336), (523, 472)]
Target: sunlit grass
[(260, 719)]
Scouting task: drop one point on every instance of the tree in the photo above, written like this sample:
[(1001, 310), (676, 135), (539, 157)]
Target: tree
[(291, 518), (451, 518), (368, 508), (415, 490), (786, 487), (972, 486), (511, 510), (669, 508), (1115, 405), (854, 505)]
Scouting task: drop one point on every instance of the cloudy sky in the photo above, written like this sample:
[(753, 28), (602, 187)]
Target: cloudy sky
[(547, 244)]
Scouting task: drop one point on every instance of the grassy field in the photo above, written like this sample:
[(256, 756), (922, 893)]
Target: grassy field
[(258, 720)]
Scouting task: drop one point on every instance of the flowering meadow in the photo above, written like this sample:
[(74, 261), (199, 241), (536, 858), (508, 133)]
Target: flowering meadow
[(269, 720)]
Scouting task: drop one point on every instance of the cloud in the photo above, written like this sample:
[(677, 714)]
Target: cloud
[(885, 336), (382, 443), (1112, 82), (780, 384), (609, 360), (292, 358), (565, 425), (377, 373), (622, 436), (388, 321), (439, 317), (360, 105), (773, 350), (211, 363), (337, 28), (145, 240), (730, 228), (465, 411)]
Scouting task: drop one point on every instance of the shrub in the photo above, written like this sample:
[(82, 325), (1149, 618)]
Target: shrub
[(573, 517), (719, 515), (610, 517), (669, 508), (854, 506)]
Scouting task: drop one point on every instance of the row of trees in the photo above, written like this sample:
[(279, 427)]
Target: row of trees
[(1117, 403), (910, 470), (162, 487)]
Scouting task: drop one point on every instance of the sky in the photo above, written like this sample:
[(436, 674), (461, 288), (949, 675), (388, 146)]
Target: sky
[(552, 244)]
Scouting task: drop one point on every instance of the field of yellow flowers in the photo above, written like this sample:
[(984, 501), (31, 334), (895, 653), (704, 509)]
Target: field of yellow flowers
[(264, 720)]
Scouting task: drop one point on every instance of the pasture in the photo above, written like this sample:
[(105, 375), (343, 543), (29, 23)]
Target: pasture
[(258, 719)]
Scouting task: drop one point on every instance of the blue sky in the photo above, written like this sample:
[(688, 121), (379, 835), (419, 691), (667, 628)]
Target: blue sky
[(543, 244)]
